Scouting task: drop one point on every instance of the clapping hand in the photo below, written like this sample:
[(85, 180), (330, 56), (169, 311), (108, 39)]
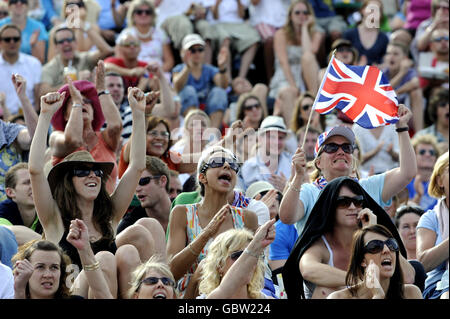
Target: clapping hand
[(20, 85)]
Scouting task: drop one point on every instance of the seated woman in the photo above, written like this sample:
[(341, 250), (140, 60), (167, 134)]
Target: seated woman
[(374, 271), (153, 280), (75, 188), (194, 227), (432, 233), (321, 255), (234, 268), (35, 257)]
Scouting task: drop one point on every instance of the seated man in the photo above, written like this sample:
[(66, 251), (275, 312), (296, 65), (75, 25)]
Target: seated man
[(12, 61), (201, 85), (126, 62), (53, 72), (153, 193)]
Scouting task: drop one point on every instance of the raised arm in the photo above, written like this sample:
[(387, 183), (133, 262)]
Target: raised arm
[(124, 192), (79, 238), (397, 178), (29, 113), (64, 143), (167, 106), (291, 207), (112, 116), (241, 272), (221, 78), (46, 207)]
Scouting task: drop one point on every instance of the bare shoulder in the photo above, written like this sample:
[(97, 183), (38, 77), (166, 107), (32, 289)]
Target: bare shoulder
[(340, 294), (412, 292), (178, 214)]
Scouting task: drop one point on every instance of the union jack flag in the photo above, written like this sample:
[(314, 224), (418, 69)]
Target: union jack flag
[(360, 92)]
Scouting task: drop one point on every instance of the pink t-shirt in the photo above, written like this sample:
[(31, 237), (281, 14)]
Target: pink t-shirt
[(416, 12)]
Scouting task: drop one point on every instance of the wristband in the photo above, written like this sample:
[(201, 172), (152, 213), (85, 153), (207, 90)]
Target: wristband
[(252, 253), (402, 129), (103, 92)]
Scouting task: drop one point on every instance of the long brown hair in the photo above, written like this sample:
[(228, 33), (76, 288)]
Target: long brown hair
[(153, 122), (289, 27), (355, 272), (26, 250), (65, 196), (240, 110)]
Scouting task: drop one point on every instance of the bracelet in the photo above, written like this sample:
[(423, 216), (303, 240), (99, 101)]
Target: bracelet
[(402, 129), (192, 250), (103, 92), (74, 105), (148, 114), (92, 267), (252, 253), (294, 188)]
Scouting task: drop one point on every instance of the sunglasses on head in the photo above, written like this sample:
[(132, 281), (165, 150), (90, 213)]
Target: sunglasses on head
[(145, 180), (18, 1), (333, 148), (154, 280), (236, 254), (375, 246), (85, 172), (68, 40), (9, 39), (304, 12), (78, 4), (431, 152), (251, 106), (195, 50), (219, 162), (439, 39), (141, 12), (345, 201)]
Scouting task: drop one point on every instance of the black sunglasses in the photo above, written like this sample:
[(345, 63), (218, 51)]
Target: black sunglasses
[(236, 254), (18, 1), (195, 50), (306, 107), (305, 12), (344, 48), (154, 280), (4, 13), (141, 12), (78, 4), (345, 201), (9, 39), (431, 152), (145, 180), (251, 106), (219, 162), (375, 246), (68, 40), (86, 172), (333, 148)]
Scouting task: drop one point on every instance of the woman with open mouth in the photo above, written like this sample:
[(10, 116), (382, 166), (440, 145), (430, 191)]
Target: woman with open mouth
[(374, 271), (76, 189), (200, 223)]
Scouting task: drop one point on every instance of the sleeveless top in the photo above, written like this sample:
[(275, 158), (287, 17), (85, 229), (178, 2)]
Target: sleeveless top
[(309, 286), (193, 229)]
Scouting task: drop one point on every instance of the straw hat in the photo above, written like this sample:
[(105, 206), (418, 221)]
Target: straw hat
[(258, 187), (72, 161)]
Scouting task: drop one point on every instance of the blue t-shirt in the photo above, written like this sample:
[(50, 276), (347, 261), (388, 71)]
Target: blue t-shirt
[(31, 26), (430, 221), (408, 77), (309, 193), (286, 236), (321, 9), (203, 84), (426, 202), (374, 54)]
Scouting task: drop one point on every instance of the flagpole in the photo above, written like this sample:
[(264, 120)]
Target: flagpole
[(317, 95)]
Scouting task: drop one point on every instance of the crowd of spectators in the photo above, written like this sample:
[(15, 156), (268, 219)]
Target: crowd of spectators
[(167, 149)]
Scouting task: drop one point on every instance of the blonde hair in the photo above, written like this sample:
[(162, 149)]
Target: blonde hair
[(133, 5), (154, 263), (433, 188), (218, 252), (426, 139), (194, 112)]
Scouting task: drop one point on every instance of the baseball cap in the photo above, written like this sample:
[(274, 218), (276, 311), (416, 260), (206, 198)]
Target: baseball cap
[(340, 130), (191, 40), (273, 123)]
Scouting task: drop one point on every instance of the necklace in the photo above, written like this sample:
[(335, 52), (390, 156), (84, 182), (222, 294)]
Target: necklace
[(144, 35)]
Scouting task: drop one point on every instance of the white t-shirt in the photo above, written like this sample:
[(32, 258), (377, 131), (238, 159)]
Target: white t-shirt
[(271, 12), (27, 66), (228, 11), (171, 8), (6, 282), (260, 209)]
